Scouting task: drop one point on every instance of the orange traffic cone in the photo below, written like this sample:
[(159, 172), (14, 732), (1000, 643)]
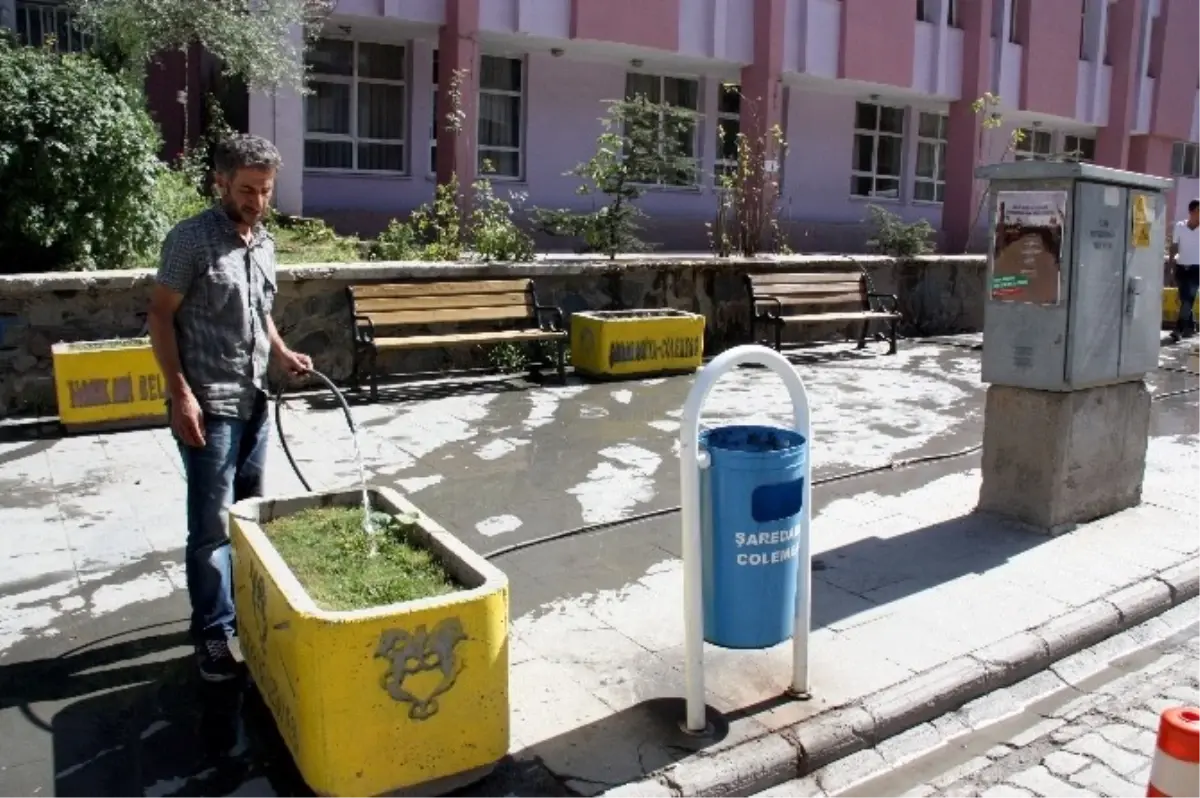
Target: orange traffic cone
[(1175, 771)]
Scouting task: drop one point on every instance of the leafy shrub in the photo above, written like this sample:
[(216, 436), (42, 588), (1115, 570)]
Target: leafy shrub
[(176, 197), (79, 175), (896, 238), (438, 226), (438, 230), (492, 232), (397, 242)]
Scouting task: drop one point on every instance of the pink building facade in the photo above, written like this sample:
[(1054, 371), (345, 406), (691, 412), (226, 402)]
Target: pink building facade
[(874, 98)]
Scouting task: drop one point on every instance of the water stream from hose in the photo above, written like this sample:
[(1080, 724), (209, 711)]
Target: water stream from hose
[(368, 524)]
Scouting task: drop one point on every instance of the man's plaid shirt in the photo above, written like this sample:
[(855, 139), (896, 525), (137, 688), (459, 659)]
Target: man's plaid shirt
[(228, 290)]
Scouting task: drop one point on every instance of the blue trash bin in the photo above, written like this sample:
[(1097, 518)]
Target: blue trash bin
[(751, 510)]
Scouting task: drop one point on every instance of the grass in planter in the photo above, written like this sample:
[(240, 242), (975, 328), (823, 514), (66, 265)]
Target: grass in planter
[(113, 343), (330, 554)]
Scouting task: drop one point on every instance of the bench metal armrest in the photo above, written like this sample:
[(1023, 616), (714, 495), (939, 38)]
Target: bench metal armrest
[(364, 329), (777, 307), (555, 323), (882, 301)]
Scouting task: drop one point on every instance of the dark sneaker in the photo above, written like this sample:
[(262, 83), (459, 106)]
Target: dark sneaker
[(1175, 337), (216, 661)]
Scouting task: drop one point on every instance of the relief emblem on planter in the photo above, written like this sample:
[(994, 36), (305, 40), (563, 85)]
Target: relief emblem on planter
[(411, 653)]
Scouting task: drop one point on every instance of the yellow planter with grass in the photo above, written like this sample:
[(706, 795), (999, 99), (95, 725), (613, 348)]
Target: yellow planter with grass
[(1171, 305), (411, 696), (108, 383), (636, 343)]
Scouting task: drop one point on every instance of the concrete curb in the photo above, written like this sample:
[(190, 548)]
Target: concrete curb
[(813, 743)]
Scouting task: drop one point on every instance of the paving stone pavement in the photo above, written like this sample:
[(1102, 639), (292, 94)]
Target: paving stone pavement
[(1095, 739)]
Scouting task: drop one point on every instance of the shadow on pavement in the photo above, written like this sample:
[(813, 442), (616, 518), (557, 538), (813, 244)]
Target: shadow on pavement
[(884, 569), (125, 715), (849, 579)]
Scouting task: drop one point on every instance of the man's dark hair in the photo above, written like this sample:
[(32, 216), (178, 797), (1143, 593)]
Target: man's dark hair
[(1193, 205), (245, 152)]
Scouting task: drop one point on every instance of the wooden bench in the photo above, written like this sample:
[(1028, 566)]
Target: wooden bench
[(830, 294), (406, 310)]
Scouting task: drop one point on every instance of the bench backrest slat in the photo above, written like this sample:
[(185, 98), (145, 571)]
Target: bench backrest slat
[(446, 302), (839, 286), (814, 289), (838, 276), (820, 299), (442, 302), (447, 316), (451, 316), (448, 288)]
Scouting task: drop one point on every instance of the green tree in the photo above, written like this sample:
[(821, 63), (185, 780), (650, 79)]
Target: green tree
[(642, 143), (78, 169), (253, 39)]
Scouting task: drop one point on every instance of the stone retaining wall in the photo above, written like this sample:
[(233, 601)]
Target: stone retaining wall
[(938, 295)]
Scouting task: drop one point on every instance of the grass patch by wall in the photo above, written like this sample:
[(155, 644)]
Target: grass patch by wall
[(330, 554)]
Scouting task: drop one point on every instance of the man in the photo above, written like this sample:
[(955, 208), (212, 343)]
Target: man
[(1185, 257), (210, 323)]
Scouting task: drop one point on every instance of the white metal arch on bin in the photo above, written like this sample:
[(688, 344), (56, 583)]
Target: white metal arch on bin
[(690, 463)]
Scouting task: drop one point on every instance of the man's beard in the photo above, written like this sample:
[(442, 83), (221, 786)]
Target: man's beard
[(235, 213)]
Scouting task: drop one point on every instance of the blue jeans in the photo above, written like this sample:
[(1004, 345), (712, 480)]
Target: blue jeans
[(228, 468), (1187, 278)]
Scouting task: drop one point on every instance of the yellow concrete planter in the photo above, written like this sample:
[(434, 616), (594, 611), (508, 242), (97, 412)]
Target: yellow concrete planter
[(629, 343), (409, 697), (108, 384), (1171, 304)]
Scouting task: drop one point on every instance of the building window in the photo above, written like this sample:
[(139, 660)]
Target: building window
[(925, 10), (952, 13), (1013, 36), (1035, 145), (1185, 156), (39, 22), (682, 93), (1083, 37), (1079, 148), (729, 126), (435, 120), (355, 114), (878, 150), (929, 184), (500, 112)]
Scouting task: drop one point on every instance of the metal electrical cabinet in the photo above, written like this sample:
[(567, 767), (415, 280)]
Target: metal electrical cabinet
[(1074, 275)]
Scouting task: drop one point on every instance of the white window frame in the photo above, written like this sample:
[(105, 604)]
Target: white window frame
[(1071, 143), (1024, 151), (1180, 152), (54, 12), (352, 138), (876, 135), (662, 77), (522, 127), (939, 146), (724, 164)]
